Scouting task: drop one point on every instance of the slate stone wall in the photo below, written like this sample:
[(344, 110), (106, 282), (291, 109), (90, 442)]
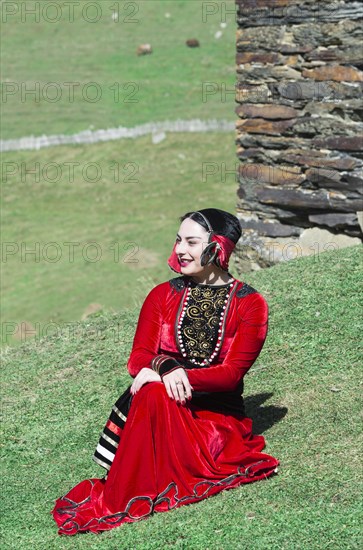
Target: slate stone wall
[(299, 131)]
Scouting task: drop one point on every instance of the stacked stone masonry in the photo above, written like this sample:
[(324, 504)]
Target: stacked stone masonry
[(299, 131)]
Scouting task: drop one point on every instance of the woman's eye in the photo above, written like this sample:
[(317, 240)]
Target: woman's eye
[(190, 243)]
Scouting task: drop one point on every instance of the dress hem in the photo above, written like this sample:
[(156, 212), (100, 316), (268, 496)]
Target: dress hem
[(167, 500)]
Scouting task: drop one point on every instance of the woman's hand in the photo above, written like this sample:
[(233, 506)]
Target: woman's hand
[(143, 377), (177, 385)]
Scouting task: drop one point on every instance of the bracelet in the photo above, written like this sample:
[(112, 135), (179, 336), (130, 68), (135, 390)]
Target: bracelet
[(162, 364)]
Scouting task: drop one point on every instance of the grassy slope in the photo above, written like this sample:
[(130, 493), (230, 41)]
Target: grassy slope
[(145, 213), (169, 175), (59, 392), (169, 82)]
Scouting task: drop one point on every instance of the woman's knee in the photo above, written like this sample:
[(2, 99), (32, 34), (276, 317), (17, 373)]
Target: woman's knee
[(153, 391)]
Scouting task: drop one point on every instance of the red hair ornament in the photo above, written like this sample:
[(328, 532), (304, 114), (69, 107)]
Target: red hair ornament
[(221, 251)]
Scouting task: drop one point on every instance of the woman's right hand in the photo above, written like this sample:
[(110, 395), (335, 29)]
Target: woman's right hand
[(177, 385), (143, 377)]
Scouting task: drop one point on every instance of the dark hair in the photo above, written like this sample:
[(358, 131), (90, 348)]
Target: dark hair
[(221, 222), (196, 217)]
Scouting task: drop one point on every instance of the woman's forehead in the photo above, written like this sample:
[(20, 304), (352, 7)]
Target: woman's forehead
[(190, 228)]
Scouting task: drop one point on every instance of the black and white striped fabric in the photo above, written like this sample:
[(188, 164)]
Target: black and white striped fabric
[(110, 437)]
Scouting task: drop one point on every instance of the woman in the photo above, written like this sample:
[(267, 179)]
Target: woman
[(179, 434)]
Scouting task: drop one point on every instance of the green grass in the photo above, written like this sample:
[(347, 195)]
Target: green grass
[(169, 182), (129, 220), (165, 85), (59, 390)]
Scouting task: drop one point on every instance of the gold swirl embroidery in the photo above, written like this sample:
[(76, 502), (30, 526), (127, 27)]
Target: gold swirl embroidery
[(193, 311), (200, 325)]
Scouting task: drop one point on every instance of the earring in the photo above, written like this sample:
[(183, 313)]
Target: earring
[(209, 254)]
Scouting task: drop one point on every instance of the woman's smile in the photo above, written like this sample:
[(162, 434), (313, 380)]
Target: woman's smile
[(184, 262)]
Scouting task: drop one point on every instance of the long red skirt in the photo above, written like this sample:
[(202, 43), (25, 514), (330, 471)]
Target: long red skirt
[(169, 455)]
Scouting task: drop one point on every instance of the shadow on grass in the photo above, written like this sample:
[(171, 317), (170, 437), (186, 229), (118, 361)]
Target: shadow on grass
[(264, 417)]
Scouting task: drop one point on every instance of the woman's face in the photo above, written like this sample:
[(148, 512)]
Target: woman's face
[(191, 240)]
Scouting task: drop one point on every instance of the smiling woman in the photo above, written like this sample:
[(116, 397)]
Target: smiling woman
[(179, 433)]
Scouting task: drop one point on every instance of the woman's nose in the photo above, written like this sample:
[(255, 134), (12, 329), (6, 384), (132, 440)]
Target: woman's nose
[(180, 247)]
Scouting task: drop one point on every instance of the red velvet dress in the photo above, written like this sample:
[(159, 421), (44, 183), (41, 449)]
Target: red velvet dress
[(160, 454)]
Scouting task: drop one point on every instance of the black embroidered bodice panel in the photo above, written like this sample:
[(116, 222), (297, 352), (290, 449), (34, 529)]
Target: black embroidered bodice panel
[(199, 333), (201, 318), (200, 324)]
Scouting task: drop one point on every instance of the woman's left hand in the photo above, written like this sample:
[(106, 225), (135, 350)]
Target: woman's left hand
[(177, 385)]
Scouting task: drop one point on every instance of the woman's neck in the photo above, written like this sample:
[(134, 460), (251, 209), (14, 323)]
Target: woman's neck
[(214, 277)]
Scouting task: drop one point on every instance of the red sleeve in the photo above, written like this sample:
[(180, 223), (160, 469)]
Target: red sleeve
[(147, 336), (243, 352)]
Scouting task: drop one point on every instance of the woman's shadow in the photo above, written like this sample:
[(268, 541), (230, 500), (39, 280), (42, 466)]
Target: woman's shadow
[(264, 417)]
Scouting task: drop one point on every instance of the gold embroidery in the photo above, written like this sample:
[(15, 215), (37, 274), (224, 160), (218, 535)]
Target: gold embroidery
[(199, 330)]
